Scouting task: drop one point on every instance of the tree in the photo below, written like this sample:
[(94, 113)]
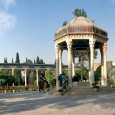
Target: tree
[(5, 60), (18, 72), (82, 57), (37, 60), (80, 12), (12, 60), (97, 75), (41, 61), (6, 79), (17, 58), (65, 23), (17, 75), (34, 61), (28, 61), (51, 77)]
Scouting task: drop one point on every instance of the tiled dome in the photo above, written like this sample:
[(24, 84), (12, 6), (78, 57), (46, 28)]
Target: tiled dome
[(80, 25)]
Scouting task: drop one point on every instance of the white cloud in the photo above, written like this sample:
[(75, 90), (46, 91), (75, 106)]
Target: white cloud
[(7, 3), (7, 22)]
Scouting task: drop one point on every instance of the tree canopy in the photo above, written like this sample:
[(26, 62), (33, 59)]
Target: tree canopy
[(80, 12), (6, 79), (17, 58), (64, 23), (5, 60), (39, 61)]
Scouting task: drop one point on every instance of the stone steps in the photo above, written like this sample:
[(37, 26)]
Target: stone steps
[(89, 91), (107, 90), (83, 88), (81, 84)]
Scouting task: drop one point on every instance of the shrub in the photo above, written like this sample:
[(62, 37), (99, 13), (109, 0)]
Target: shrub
[(110, 82), (94, 85), (60, 90)]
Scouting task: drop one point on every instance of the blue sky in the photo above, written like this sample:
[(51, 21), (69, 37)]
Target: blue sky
[(28, 26)]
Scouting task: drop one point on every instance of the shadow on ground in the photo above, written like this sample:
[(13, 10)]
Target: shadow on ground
[(27, 101)]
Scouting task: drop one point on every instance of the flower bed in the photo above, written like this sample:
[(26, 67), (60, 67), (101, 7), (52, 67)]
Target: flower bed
[(5, 89)]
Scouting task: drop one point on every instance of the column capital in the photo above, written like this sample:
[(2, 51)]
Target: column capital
[(60, 50), (101, 50), (69, 44), (57, 47), (105, 47), (37, 70), (92, 42)]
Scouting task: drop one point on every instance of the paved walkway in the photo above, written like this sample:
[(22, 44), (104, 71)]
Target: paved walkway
[(36, 103)]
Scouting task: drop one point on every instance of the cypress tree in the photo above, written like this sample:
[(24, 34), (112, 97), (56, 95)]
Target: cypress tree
[(34, 61), (18, 72), (5, 60), (26, 60), (17, 58), (37, 60), (12, 60)]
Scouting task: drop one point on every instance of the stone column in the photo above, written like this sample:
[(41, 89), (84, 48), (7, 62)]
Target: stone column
[(92, 43), (101, 51), (73, 64), (57, 65), (69, 46), (13, 74), (12, 71), (105, 64), (60, 60), (37, 77), (25, 77), (89, 68)]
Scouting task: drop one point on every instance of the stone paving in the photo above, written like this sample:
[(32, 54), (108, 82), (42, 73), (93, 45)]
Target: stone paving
[(36, 103)]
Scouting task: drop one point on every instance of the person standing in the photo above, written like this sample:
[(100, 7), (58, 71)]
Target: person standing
[(63, 80), (60, 80)]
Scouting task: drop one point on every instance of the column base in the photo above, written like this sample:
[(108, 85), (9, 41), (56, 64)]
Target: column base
[(104, 83), (57, 88)]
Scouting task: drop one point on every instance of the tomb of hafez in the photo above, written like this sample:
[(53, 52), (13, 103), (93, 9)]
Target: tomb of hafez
[(81, 35)]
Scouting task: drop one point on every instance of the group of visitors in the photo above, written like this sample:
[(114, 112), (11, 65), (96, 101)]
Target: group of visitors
[(63, 80)]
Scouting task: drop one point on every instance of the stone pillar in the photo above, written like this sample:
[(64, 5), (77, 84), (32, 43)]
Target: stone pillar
[(69, 46), (105, 64), (89, 68), (92, 43), (13, 74), (60, 60), (73, 64), (37, 77), (12, 71), (57, 65), (25, 77), (101, 51)]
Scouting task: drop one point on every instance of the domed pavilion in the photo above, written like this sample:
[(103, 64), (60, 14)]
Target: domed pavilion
[(81, 35)]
